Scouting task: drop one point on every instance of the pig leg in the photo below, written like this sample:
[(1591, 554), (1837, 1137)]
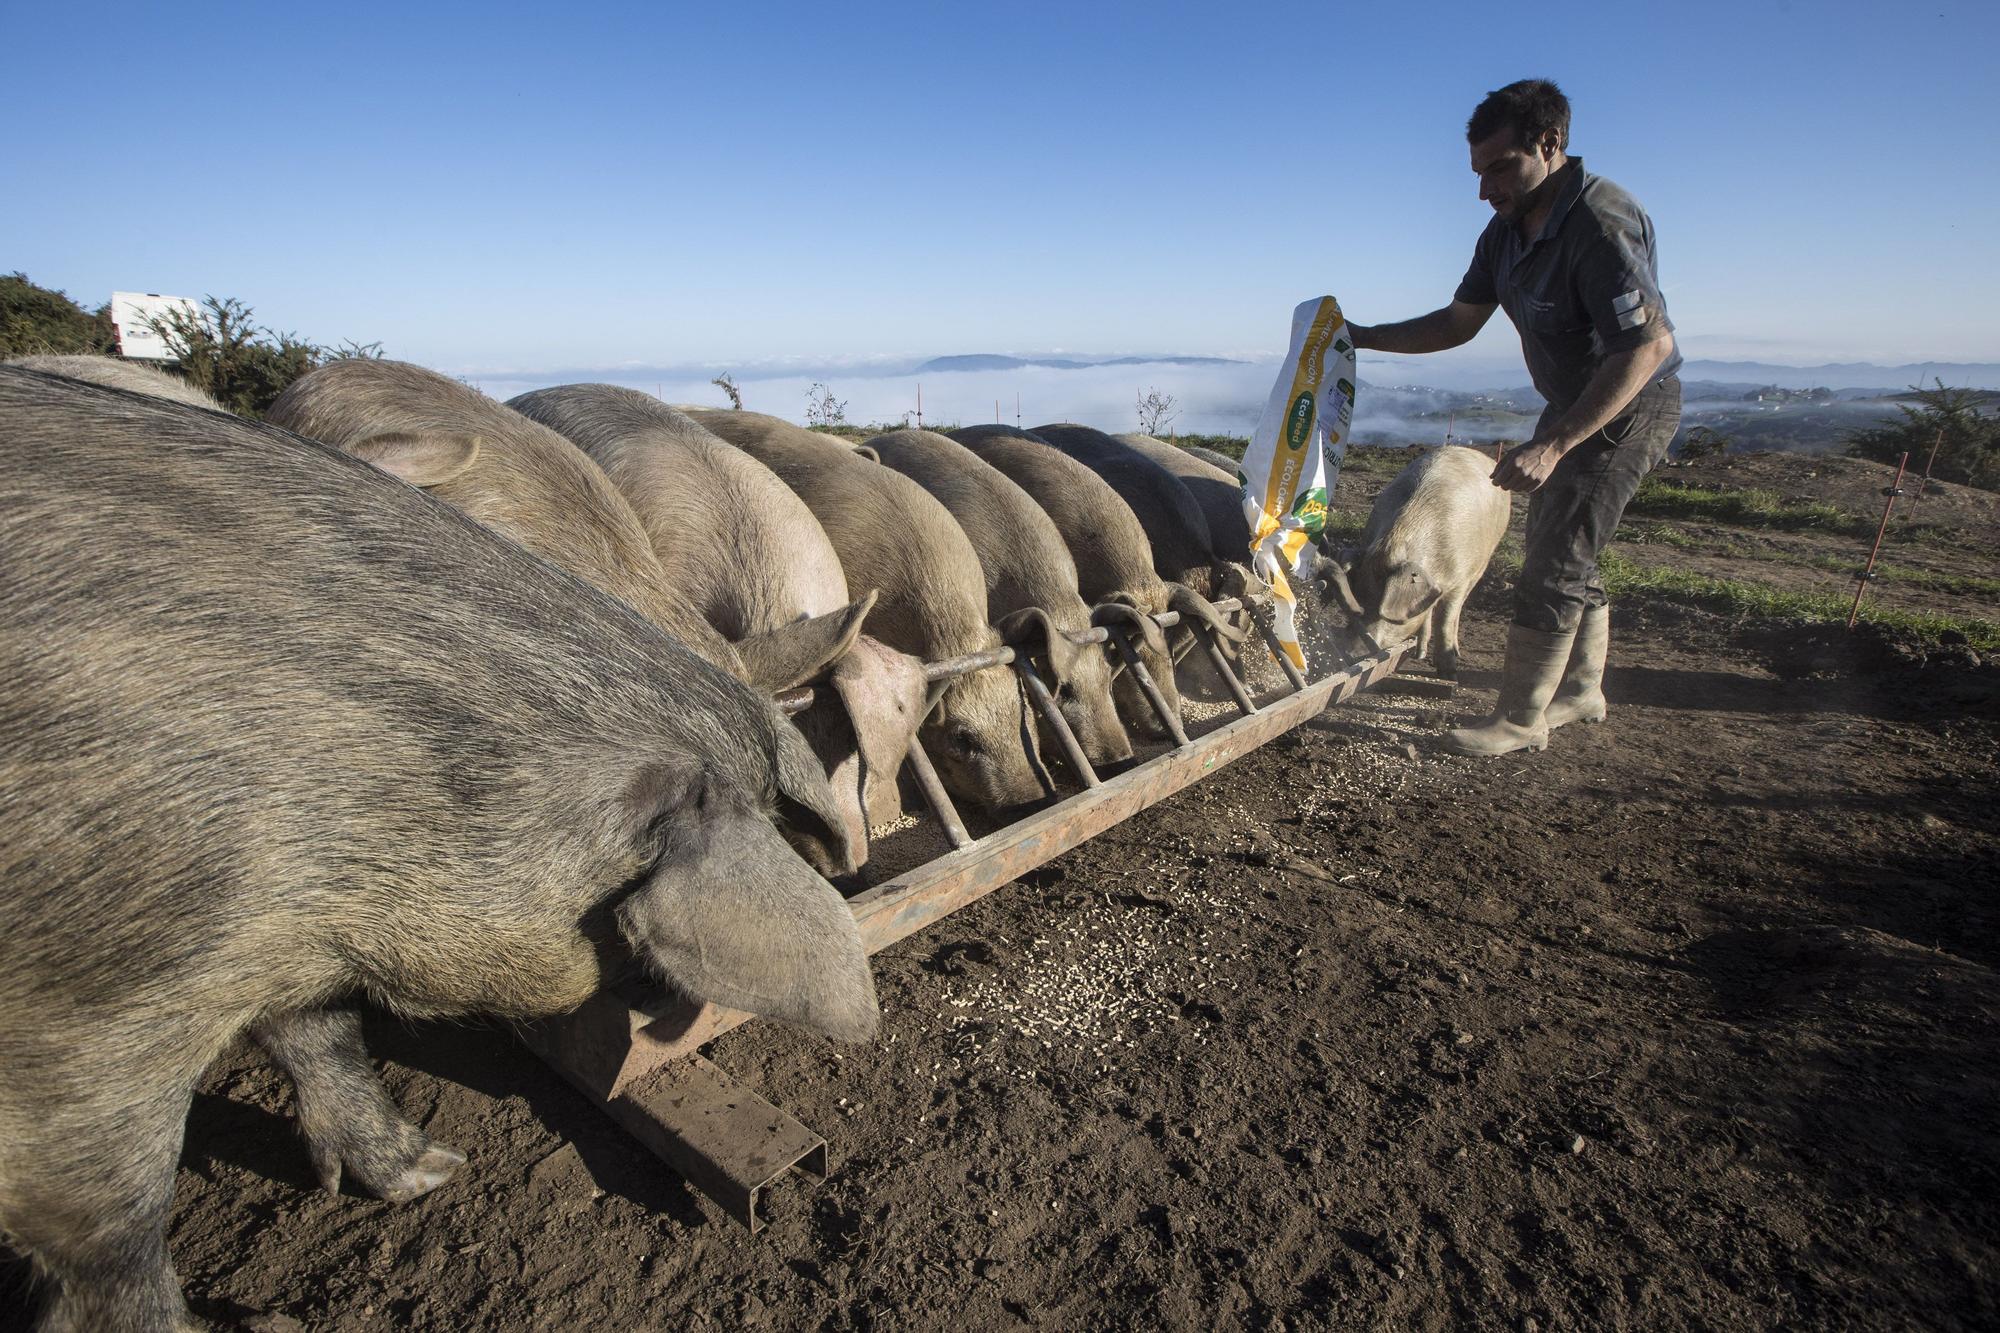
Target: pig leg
[(345, 1114), (1445, 617), (87, 1191)]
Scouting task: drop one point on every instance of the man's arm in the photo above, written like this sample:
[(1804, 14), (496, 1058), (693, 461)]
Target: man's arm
[(1453, 326), (1610, 391)]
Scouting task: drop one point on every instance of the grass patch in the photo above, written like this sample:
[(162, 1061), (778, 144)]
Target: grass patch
[(1230, 445), (1345, 526), (1957, 585), (1662, 534), (1743, 598), (1658, 498)]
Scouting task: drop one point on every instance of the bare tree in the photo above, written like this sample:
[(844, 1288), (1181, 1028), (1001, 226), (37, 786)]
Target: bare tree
[(822, 408), (727, 384), (1156, 412)]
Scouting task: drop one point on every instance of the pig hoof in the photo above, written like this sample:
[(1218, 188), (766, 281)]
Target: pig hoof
[(326, 1165), (437, 1165)]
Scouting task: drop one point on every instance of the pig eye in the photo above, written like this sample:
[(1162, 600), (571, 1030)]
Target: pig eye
[(961, 740), (809, 834)]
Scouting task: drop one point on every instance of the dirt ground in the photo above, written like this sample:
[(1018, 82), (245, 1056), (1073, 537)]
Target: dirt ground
[(1689, 1022)]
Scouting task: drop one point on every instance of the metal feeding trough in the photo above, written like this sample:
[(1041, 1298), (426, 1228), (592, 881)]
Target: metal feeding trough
[(633, 1048)]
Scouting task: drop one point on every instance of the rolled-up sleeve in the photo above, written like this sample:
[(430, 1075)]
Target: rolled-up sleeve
[(1476, 287), (1618, 287)]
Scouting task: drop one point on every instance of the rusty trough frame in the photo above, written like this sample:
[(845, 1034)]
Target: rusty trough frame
[(633, 1048)]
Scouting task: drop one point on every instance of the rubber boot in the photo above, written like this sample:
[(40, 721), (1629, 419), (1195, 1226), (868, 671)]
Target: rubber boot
[(1535, 662), (1580, 697)]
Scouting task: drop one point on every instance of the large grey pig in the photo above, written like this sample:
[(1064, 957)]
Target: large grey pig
[(111, 371), (1431, 532), (894, 538), (1031, 581), (739, 545), (1114, 561), (278, 732)]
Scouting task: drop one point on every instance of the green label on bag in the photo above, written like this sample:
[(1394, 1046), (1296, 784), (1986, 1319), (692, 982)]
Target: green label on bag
[(1310, 510), (1299, 422)]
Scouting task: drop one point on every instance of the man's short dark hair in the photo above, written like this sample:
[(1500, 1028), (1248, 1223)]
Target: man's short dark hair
[(1531, 108)]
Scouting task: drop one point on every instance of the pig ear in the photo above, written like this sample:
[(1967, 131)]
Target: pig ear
[(793, 654), (1031, 630), (884, 693), (1408, 596), (422, 460), (1194, 607), (729, 913), (1121, 609)]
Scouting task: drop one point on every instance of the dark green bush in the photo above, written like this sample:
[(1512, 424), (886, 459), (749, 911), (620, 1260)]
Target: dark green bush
[(36, 321), (239, 363), (1967, 441)]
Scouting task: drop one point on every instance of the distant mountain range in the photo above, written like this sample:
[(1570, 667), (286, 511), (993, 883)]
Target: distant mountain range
[(979, 361), (1848, 374)]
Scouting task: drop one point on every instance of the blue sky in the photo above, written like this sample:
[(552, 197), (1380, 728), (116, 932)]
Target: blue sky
[(517, 189)]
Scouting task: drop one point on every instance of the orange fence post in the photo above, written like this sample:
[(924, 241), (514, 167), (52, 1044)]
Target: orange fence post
[(1867, 574)]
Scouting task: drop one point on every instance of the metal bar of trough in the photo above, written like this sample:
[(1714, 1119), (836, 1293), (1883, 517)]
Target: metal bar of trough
[(1220, 661), (1270, 638), (889, 912), (1045, 704), (935, 795), (959, 666), (1169, 718)]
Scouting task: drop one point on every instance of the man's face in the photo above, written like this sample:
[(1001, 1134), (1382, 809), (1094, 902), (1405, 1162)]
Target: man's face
[(1510, 173)]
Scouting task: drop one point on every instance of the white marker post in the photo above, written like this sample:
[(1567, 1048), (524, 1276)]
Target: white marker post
[(1294, 456)]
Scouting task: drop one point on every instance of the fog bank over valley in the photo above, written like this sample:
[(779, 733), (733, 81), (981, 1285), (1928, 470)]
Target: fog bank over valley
[(1401, 400)]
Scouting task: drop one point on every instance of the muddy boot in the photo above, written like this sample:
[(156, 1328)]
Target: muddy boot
[(1535, 662), (1580, 697)]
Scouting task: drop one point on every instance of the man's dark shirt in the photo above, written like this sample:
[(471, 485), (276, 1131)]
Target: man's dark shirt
[(1588, 285)]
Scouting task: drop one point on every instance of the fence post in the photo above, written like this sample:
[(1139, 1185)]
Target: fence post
[(1867, 574)]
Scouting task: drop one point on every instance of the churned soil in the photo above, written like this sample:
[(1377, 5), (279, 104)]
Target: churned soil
[(1691, 1021)]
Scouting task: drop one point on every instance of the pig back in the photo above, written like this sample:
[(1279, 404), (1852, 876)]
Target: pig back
[(1022, 553), (1183, 551), (1215, 490), (1442, 503), (890, 534), (115, 374), (731, 537), (527, 483), (1110, 550), (328, 715)]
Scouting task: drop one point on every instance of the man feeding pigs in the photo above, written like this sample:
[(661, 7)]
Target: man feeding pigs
[(1570, 257)]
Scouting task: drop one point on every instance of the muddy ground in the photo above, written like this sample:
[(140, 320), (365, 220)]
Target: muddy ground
[(1689, 1022)]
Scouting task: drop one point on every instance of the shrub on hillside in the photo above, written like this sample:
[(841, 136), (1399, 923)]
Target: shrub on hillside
[(239, 363), (1967, 442), (36, 321)]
